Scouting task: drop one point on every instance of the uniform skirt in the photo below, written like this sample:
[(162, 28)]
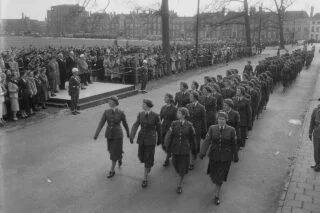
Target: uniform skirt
[(115, 148), (181, 164), (146, 155), (218, 171)]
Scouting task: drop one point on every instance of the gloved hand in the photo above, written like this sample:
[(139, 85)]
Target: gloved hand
[(95, 138), (131, 141)]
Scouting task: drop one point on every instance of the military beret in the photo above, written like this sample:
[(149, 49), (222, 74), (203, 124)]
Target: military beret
[(148, 103), (222, 114), (196, 84), (195, 95), (170, 97), (114, 99), (229, 102), (184, 111), (184, 84)]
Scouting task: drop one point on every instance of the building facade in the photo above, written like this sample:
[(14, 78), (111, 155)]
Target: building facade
[(296, 25), (315, 27)]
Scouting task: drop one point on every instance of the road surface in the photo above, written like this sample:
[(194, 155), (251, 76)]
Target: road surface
[(54, 166)]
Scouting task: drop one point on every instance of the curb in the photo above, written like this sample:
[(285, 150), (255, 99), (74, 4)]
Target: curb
[(296, 153)]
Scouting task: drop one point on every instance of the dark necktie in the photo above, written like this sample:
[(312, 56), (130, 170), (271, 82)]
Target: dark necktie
[(147, 114), (221, 129)]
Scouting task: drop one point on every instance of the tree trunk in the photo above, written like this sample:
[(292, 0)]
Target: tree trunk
[(247, 25), (197, 34), (281, 31), (165, 33)]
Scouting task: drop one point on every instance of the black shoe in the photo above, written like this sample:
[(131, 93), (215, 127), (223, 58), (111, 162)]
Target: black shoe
[(144, 184), (44, 107), (317, 169), (166, 163), (83, 88), (313, 167), (90, 82), (111, 174), (74, 113), (179, 190), (120, 163), (216, 200), (53, 95), (77, 112)]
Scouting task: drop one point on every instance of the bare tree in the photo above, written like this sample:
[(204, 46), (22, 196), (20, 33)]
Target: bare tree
[(280, 10)]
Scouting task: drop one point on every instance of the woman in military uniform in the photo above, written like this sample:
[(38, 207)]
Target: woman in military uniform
[(222, 139), (114, 117), (243, 106), (148, 137), (180, 139), (210, 103), (168, 114), (198, 118)]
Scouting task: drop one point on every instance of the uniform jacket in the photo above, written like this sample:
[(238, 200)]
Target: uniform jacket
[(198, 118), (181, 99), (227, 93), (210, 104), (168, 114), (314, 128), (180, 139), (248, 70), (74, 85), (150, 129), (113, 119), (234, 121), (222, 144), (243, 106), (219, 99)]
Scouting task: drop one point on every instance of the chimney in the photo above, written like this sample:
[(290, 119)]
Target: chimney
[(312, 11)]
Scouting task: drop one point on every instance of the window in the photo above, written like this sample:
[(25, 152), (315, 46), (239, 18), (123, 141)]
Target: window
[(318, 29), (312, 29)]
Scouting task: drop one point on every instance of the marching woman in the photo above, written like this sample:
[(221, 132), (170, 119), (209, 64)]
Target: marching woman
[(210, 103), (168, 114), (234, 121), (180, 139), (198, 118), (114, 117), (222, 139), (148, 137), (243, 106)]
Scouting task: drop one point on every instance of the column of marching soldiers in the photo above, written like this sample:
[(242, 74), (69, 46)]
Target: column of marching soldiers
[(220, 112)]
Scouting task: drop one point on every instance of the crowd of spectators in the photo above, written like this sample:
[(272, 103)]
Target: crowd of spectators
[(30, 76)]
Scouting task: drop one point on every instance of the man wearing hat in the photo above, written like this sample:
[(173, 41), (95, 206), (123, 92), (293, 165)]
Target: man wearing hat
[(74, 90), (248, 70), (144, 76), (314, 136), (148, 137), (114, 135), (62, 71), (70, 64), (83, 70), (182, 98)]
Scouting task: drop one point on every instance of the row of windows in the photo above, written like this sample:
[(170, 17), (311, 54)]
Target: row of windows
[(312, 29), (314, 22)]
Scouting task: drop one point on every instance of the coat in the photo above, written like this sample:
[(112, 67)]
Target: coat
[(74, 85), (182, 99), (227, 93), (114, 118), (243, 106), (149, 131), (198, 118), (168, 114), (234, 121), (210, 104), (222, 145), (314, 128), (180, 139), (219, 99)]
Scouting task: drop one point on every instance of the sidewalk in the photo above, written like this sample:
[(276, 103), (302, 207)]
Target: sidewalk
[(302, 189)]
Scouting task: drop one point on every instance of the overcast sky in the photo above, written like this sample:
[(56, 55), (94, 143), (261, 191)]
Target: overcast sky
[(36, 9)]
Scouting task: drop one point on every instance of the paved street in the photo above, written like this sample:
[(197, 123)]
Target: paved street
[(54, 166)]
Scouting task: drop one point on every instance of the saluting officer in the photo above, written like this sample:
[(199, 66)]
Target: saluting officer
[(114, 135), (148, 137), (168, 114), (180, 140), (198, 118), (74, 90), (182, 98), (222, 139)]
